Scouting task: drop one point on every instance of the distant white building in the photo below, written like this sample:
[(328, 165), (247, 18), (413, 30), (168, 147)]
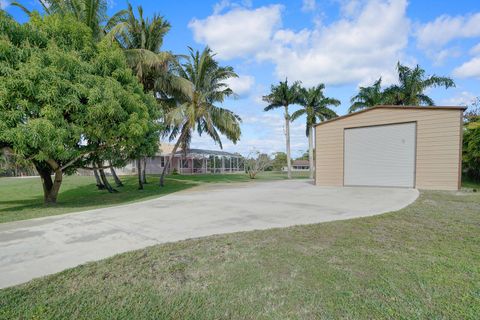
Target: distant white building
[(299, 165)]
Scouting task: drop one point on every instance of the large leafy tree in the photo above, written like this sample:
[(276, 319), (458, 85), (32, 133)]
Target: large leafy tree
[(279, 161), (412, 86), (368, 97), (282, 96), (66, 100), (199, 110), (93, 13), (315, 106)]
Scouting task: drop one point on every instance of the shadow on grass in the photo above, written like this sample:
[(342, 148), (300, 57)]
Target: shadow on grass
[(88, 196)]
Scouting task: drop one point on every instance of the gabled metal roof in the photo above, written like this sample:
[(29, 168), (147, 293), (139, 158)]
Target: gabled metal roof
[(392, 107)]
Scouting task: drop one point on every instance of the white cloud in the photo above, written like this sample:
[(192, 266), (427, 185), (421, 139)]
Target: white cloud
[(353, 49), (447, 28), (432, 37), (4, 4), (241, 85), (440, 56), (475, 50), (224, 4), (350, 8), (238, 32), (464, 98), (470, 69), (309, 5), (350, 50)]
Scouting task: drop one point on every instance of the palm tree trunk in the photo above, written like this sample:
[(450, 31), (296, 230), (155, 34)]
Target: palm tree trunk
[(139, 174), (117, 180), (287, 136), (144, 170), (169, 159), (100, 185), (310, 150)]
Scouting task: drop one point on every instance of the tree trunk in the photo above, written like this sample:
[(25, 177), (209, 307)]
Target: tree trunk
[(105, 181), (310, 150), (287, 136), (117, 180), (50, 188), (144, 170), (139, 174), (100, 185), (169, 159)]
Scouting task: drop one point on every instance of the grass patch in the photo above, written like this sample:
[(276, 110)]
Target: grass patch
[(470, 183), (22, 198), (418, 263)]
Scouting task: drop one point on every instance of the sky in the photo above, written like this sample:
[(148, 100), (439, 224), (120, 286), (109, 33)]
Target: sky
[(341, 43)]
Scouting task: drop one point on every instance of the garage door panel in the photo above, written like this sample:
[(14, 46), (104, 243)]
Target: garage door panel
[(380, 155)]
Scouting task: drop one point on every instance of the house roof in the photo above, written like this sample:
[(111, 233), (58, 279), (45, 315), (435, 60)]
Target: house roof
[(300, 162), (393, 107), (204, 152)]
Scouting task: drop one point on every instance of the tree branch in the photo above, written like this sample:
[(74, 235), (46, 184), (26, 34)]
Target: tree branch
[(97, 168), (69, 163)]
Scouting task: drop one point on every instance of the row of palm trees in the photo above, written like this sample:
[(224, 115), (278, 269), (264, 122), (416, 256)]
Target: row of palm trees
[(315, 107), (410, 90), (187, 87)]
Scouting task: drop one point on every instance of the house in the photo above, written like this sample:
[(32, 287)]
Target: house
[(299, 165), (391, 146), (193, 161)]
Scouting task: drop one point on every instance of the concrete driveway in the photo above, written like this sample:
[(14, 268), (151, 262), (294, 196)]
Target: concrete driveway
[(38, 247)]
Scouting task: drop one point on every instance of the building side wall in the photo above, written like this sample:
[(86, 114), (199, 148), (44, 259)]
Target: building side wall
[(438, 148)]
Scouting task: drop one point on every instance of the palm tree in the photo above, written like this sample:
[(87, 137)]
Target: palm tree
[(315, 107), (197, 110), (412, 86), (280, 96), (93, 13), (367, 97), (142, 40)]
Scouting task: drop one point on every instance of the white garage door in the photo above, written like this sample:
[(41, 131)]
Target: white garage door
[(380, 156)]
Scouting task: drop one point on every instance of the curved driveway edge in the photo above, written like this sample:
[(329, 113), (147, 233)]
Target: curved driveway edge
[(38, 247)]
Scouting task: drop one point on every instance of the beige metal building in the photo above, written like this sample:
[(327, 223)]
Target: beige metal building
[(391, 146)]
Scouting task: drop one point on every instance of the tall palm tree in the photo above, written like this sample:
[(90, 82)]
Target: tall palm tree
[(367, 97), (282, 96), (412, 86), (315, 107), (197, 110), (142, 40), (93, 13)]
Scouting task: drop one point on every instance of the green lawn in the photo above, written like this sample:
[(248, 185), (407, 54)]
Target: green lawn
[(22, 198), (421, 262)]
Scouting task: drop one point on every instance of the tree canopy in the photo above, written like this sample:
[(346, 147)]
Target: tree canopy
[(368, 97), (315, 106), (471, 141), (66, 100), (410, 90)]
